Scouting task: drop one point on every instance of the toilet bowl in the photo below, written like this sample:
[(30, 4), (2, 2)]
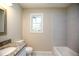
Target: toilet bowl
[(29, 51)]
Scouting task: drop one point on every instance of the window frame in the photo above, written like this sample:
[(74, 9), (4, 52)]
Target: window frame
[(33, 14)]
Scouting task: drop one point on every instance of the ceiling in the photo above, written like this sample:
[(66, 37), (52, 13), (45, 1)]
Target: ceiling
[(44, 5)]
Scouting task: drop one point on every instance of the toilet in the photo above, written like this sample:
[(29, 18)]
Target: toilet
[(29, 51)]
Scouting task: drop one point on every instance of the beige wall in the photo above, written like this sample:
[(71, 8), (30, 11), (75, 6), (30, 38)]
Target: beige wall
[(54, 29), (14, 26), (73, 27)]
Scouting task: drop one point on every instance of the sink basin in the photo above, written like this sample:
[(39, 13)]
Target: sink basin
[(7, 51)]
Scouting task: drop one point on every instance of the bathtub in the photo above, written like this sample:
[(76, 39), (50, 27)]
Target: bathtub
[(64, 51)]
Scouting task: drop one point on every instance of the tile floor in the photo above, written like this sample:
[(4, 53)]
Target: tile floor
[(38, 53)]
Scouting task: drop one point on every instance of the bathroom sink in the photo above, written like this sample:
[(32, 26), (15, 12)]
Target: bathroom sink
[(7, 51)]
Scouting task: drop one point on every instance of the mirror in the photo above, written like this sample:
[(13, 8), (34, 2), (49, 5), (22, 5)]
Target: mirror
[(2, 20)]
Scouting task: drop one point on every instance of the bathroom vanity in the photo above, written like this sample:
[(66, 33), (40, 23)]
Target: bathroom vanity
[(9, 48)]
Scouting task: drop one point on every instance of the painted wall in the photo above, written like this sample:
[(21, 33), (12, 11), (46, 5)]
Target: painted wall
[(54, 29), (59, 27), (14, 25), (73, 27)]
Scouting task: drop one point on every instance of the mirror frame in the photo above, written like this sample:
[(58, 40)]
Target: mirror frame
[(5, 22)]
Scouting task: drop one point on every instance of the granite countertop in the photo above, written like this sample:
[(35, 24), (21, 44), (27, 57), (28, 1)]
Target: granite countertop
[(17, 45), (18, 48)]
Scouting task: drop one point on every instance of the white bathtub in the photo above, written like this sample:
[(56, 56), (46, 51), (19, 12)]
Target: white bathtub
[(64, 51)]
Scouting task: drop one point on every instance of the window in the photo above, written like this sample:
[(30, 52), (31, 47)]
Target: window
[(37, 22)]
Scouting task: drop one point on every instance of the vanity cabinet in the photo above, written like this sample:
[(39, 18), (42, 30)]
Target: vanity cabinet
[(22, 52)]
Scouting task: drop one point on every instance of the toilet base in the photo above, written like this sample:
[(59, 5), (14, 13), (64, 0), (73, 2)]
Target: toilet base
[(29, 51)]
